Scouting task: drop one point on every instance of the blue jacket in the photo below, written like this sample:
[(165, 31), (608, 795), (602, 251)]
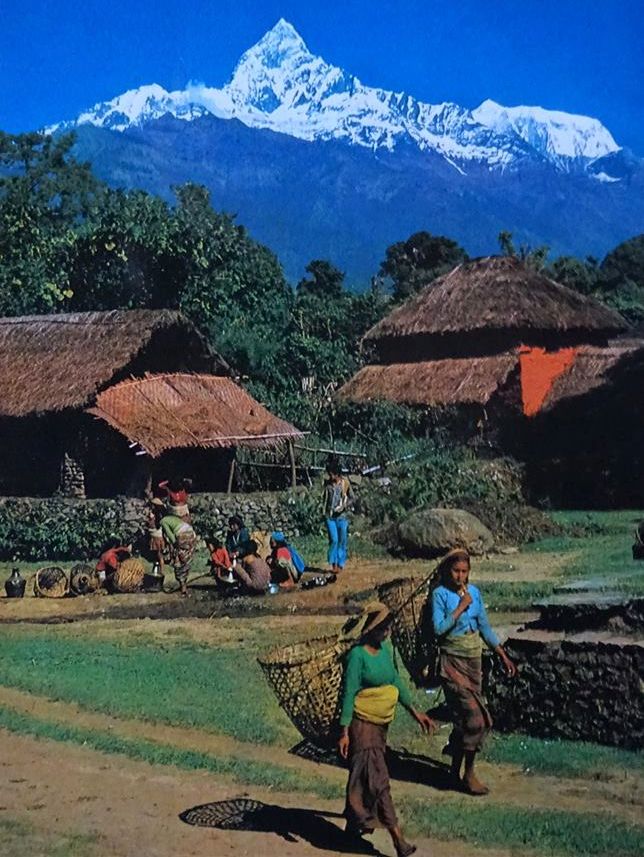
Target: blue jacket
[(445, 601)]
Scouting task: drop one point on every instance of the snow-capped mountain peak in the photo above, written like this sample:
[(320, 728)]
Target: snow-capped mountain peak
[(281, 85), (552, 131)]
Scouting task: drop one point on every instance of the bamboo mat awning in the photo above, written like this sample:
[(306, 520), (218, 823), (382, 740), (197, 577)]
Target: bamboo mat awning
[(170, 411)]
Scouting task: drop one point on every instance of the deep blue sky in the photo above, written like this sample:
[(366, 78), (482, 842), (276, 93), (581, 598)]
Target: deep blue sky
[(60, 56)]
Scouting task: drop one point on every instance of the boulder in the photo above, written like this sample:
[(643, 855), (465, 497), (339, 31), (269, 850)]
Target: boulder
[(432, 532)]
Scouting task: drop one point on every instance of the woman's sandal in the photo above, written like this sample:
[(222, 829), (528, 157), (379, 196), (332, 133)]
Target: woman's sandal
[(405, 849)]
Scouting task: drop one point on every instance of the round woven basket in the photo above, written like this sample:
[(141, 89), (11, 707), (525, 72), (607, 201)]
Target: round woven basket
[(50, 582), (412, 631), (128, 577), (306, 679), (83, 579)]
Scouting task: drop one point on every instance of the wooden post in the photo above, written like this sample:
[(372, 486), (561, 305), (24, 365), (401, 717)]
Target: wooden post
[(291, 455), (231, 474)]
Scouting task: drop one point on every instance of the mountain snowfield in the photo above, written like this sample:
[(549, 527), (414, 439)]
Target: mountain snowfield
[(279, 85)]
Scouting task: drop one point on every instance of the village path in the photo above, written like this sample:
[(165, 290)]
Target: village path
[(617, 796), (132, 808)]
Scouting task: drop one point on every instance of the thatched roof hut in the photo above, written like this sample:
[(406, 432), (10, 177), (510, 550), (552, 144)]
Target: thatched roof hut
[(52, 363), (465, 380), (162, 412), (486, 306)]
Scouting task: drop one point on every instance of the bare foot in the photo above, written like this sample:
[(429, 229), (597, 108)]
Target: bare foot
[(474, 786)]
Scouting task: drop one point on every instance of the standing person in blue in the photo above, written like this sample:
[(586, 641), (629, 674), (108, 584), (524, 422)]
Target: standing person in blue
[(337, 501), (372, 688), (460, 624)]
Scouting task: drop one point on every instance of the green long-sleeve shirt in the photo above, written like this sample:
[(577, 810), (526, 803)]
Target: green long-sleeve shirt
[(362, 670)]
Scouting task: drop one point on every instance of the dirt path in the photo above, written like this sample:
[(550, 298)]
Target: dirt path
[(621, 797), (133, 808), (353, 586)]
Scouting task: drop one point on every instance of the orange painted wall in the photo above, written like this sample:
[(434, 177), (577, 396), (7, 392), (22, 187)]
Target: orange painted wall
[(539, 370)]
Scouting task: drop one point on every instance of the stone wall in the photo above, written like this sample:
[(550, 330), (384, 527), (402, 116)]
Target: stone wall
[(68, 528), (586, 687)]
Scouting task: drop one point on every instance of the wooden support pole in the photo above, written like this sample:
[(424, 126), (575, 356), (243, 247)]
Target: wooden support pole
[(291, 455), (231, 475)]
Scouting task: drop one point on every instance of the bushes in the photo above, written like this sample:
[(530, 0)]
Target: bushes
[(51, 529), (443, 476)]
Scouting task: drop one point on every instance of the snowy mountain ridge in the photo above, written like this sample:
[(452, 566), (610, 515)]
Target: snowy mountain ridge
[(280, 85)]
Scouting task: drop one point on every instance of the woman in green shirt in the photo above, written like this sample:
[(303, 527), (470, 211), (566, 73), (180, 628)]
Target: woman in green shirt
[(372, 687)]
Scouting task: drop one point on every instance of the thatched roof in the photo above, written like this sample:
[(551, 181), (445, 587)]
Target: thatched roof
[(161, 412), (496, 293), (432, 382), (53, 362), (593, 368)]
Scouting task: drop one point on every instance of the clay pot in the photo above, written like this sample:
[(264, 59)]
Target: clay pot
[(15, 585)]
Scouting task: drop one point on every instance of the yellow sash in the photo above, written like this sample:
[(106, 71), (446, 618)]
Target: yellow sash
[(463, 645), (376, 704)]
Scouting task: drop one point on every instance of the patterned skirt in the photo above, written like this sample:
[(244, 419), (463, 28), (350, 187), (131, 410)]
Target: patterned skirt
[(462, 683), (183, 551)]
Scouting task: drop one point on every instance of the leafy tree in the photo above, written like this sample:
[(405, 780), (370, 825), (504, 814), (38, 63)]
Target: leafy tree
[(325, 281), (45, 196), (534, 257), (575, 273), (624, 264), (414, 263)]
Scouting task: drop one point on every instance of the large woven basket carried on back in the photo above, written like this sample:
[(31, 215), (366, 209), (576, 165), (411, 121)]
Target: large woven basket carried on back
[(412, 631), (306, 679)]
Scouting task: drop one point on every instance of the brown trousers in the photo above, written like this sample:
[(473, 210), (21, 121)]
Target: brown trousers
[(368, 802)]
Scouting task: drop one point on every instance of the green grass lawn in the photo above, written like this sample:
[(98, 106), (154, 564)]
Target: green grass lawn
[(19, 837)]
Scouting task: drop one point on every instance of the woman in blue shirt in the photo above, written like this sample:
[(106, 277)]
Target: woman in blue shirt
[(460, 621)]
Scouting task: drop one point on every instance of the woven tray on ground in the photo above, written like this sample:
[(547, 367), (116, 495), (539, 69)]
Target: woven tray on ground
[(83, 579), (128, 577), (50, 582), (306, 679), (412, 631)]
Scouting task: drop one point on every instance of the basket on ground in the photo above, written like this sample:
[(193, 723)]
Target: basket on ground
[(306, 679), (83, 579), (412, 631), (50, 582), (128, 577)]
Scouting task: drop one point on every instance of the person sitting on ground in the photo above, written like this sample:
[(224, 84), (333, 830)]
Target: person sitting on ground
[(176, 492), (111, 557), (252, 571), (182, 541), (280, 562), (220, 561), (237, 536)]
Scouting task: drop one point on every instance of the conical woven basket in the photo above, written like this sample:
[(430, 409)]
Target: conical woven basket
[(50, 582), (306, 679), (412, 631), (128, 577)]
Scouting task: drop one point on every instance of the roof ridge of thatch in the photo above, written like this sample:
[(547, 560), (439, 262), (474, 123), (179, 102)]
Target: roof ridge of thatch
[(498, 293)]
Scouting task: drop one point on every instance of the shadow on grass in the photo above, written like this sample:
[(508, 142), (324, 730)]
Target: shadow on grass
[(403, 765), (290, 823)]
